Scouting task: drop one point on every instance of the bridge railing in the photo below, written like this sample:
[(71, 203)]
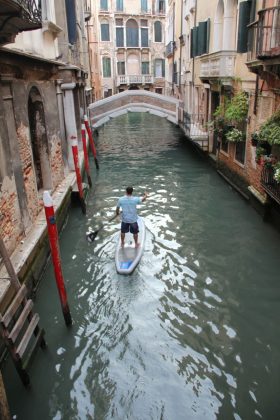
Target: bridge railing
[(142, 79)]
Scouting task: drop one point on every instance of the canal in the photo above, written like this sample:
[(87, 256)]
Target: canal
[(193, 333)]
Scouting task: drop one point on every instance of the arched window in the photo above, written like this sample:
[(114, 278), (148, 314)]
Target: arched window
[(105, 30), (229, 31), (158, 32), (39, 140), (132, 35), (106, 66), (219, 26)]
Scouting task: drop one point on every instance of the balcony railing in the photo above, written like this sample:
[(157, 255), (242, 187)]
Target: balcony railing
[(170, 48), (196, 130), (264, 35), (270, 185), (142, 79), (218, 64), (17, 16)]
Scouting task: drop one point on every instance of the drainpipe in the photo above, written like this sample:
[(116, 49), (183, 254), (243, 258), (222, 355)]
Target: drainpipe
[(69, 118), (181, 33), (173, 40), (195, 13), (59, 96)]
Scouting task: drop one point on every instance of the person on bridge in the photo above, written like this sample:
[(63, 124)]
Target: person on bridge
[(128, 205)]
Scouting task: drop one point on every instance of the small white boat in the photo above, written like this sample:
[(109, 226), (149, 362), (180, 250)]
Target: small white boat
[(128, 257)]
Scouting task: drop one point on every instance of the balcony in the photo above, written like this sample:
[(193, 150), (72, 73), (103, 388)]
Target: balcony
[(218, 65), (170, 48), (144, 79), (264, 35), (17, 16), (269, 184)]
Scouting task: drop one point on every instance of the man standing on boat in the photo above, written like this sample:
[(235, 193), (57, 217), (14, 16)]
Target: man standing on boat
[(128, 205)]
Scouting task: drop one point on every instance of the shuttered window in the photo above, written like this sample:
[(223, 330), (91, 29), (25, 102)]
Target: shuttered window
[(159, 68), (121, 68), (119, 37), (145, 67), (104, 4), (119, 5), (105, 32), (106, 65), (200, 39), (158, 32), (144, 37), (144, 5), (243, 21), (132, 37)]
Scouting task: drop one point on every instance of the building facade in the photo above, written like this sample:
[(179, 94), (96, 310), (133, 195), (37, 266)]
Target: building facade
[(43, 93), (131, 40), (223, 63)]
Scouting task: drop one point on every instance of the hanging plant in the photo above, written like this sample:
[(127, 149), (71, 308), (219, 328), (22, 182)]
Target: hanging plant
[(260, 151), (276, 175), (235, 136), (270, 130), (237, 109)]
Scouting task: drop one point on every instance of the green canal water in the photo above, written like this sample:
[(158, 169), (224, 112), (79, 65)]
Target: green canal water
[(193, 333)]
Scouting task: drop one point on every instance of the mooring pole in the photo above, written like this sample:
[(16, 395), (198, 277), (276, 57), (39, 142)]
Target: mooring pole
[(78, 172), (4, 407), (91, 141), (54, 245), (86, 154)]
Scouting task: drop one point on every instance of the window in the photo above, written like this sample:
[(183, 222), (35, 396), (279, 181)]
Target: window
[(158, 32), (145, 67), (105, 31), (119, 37), (158, 90), (240, 151), (161, 6), (132, 37), (106, 65), (119, 5), (121, 68), (144, 5), (159, 67), (107, 93), (144, 37), (104, 4)]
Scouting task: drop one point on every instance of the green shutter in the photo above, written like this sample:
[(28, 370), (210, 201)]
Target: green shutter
[(202, 38), (243, 21), (194, 35)]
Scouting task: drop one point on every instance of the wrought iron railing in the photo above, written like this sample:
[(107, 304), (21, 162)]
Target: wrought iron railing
[(170, 47), (270, 185), (195, 126), (264, 35), (31, 10)]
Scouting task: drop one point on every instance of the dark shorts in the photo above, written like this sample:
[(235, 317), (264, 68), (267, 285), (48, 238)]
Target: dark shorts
[(130, 227)]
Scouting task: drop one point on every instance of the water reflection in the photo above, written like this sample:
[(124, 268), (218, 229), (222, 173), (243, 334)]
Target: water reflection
[(191, 334)]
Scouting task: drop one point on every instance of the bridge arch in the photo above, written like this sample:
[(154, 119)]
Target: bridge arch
[(134, 101)]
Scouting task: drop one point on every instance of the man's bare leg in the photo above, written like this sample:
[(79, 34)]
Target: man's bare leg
[(135, 236), (122, 239)]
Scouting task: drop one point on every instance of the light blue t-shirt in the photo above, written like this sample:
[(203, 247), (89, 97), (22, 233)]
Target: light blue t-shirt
[(128, 205)]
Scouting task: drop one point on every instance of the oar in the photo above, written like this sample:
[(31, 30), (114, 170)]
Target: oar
[(92, 235)]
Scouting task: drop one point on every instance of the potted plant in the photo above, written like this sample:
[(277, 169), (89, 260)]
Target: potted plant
[(235, 136), (270, 130), (254, 139), (276, 175), (260, 152)]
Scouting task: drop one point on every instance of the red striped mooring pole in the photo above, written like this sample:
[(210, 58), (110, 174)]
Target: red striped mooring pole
[(78, 172), (54, 245), (86, 154), (91, 141)]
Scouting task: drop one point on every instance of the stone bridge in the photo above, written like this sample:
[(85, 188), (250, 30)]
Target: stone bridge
[(134, 101)]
